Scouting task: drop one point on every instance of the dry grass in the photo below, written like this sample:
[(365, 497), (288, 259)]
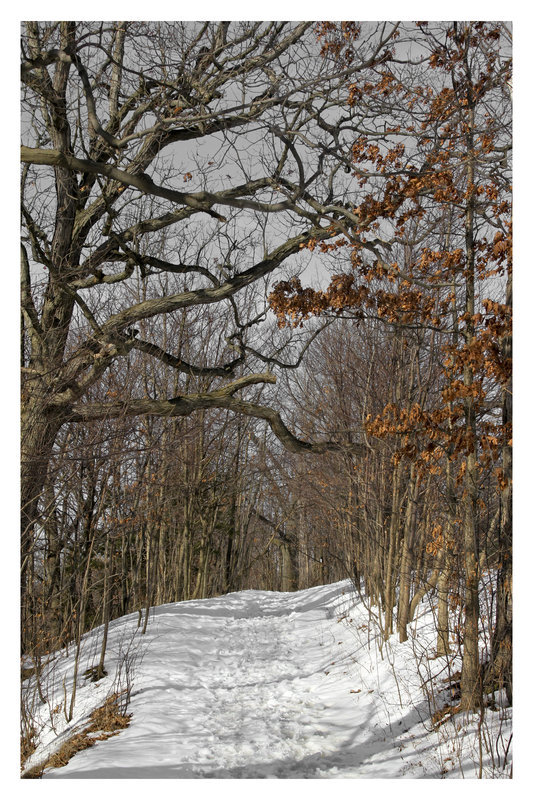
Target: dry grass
[(28, 744), (106, 721), (109, 716), (442, 715)]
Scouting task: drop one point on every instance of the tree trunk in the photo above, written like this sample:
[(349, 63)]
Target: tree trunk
[(407, 551), (287, 574), (501, 667), (471, 673), (106, 609), (443, 623), (38, 433), (392, 555)]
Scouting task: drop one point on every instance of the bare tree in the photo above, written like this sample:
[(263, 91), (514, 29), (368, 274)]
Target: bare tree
[(166, 166)]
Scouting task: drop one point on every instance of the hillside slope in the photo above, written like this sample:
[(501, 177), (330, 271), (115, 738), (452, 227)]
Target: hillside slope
[(260, 684)]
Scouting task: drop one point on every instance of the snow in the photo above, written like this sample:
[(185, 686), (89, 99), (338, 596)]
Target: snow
[(259, 684)]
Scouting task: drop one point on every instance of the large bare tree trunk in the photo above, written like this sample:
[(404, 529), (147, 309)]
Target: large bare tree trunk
[(501, 666), (471, 672), (38, 437)]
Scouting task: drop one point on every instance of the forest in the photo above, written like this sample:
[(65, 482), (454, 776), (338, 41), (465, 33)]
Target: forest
[(266, 317)]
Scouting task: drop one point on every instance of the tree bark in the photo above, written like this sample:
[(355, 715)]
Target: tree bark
[(406, 562), (471, 673)]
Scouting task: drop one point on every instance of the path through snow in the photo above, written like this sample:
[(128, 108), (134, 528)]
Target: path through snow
[(260, 684)]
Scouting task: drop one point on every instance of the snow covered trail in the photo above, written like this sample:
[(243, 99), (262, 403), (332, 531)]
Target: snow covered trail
[(229, 687), (260, 684)]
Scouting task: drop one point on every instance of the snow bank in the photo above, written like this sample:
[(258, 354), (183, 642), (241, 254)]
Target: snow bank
[(260, 684)]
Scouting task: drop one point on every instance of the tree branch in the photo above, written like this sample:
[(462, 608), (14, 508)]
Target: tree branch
[(180, 406), (200, 201), (165, 305), (181, 365), (185, 405)]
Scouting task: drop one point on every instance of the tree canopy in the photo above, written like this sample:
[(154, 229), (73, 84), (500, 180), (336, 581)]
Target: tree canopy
[(180, 182)]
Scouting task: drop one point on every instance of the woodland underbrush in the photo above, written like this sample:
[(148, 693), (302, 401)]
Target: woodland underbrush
[(68, 702), (429, 684), (104, 722)]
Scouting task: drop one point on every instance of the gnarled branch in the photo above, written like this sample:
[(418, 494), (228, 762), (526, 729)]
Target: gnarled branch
[(184, 405)]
